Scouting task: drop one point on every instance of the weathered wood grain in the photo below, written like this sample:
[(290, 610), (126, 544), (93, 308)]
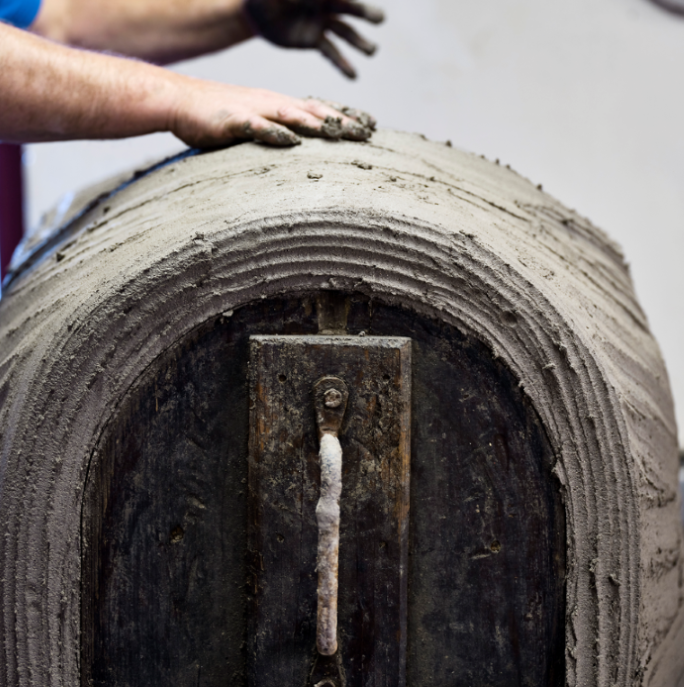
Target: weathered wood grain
[(284, 487), (173, 587), (163, 528)]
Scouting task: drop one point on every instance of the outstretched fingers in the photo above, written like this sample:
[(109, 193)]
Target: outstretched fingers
[(349, 34), (357, 9), (329, 50)]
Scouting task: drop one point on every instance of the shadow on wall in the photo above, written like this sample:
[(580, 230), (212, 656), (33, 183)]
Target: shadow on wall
[(674, 6)]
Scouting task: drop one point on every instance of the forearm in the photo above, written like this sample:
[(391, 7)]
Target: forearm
[(161, 31), (51, 93)]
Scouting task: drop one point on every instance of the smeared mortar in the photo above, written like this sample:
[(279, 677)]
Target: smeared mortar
[(407, 221)]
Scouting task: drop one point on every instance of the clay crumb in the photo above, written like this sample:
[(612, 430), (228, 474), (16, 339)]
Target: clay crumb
[(539, 186), (393, 178), (362, 165), (314, 175), (448, 144)]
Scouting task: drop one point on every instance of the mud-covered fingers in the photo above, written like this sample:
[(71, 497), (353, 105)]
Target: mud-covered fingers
[(364, 118), (329, 124), (356, 9), (335, 56), (261, 129), (324, 112), (349, 34), (322, 109), (351, 129)]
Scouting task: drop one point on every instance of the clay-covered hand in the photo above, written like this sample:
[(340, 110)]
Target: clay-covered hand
[(307, 24), (96, 96), (211, 114)]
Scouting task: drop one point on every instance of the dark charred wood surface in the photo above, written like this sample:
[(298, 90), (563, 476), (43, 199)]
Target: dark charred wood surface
[(284, 487), (167, 589)]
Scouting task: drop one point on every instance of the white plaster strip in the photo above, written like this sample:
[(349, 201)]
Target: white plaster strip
[(328, 517)]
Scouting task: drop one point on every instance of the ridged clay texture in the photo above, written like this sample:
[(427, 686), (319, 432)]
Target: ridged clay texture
[(410, 222)]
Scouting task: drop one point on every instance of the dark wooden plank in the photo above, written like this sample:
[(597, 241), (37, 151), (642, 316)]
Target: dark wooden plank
[(167, 582), (487, 553), (165, 514), (284, 487)]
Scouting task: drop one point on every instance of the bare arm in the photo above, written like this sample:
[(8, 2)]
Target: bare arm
[(165, 31), (160, 31), (50, 92)]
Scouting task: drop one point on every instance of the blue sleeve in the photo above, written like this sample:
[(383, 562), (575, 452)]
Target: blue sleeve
[(19, 13)]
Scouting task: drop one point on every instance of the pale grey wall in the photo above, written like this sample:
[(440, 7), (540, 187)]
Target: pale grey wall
[(585, 97)]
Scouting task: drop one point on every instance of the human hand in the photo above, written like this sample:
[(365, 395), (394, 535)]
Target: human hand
[(96, 96), (209, 115), (306, 23)]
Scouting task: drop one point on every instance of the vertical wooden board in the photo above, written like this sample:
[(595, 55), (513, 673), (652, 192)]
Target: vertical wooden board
[(165, 514), (164, 542), (283, 492), (487, 552)]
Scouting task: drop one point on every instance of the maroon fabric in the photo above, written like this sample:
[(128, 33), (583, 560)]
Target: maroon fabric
[(11, 202)]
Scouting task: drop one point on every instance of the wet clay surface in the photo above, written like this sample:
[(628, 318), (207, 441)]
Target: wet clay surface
[(165, 523)]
